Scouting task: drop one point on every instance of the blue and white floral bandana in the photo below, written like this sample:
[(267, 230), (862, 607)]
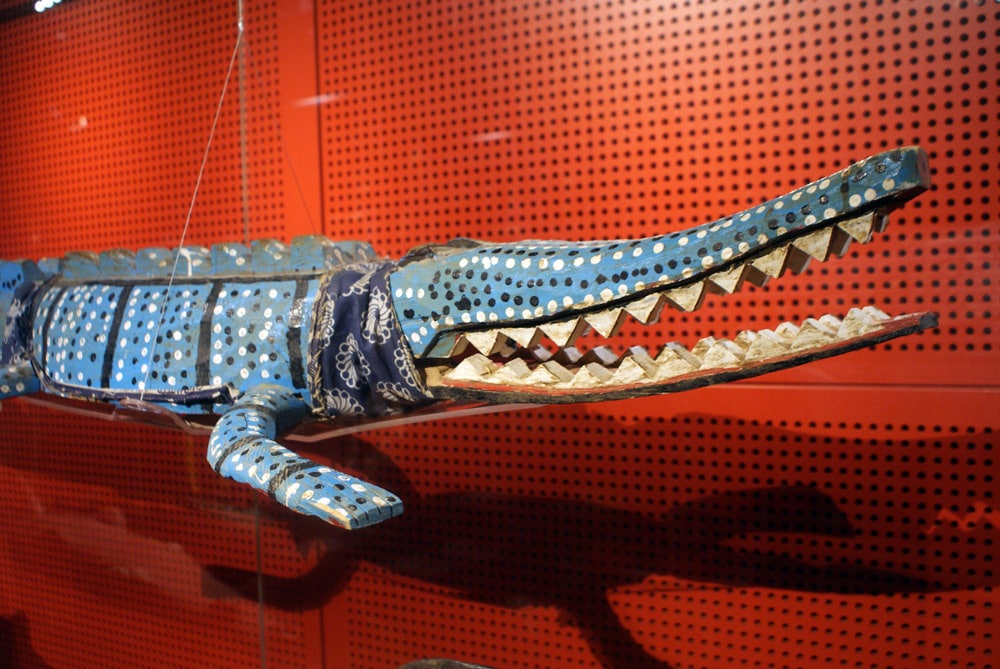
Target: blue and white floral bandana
[(17, 322), (359, 363)]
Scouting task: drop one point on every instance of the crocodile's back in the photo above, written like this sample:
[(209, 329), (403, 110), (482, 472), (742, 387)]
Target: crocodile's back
[(115, 338)]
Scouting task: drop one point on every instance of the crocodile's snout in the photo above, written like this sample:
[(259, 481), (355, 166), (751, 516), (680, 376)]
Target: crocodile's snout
[(529, 283), (506, 322)]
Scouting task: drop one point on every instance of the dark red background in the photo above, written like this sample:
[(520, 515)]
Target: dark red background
[(841, 514)]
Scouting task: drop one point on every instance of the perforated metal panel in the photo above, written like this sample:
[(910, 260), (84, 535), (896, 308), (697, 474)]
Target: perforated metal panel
[(839, 514), (108, 112)]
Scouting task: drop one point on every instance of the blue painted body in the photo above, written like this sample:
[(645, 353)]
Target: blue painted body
[(265, 335), (239, 332)]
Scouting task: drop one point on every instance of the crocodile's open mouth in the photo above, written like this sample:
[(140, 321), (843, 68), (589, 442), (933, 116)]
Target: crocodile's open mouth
[(567, 359)]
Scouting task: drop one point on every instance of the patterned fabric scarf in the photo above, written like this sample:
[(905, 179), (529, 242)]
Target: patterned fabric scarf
[(17, 322), (359, 363)]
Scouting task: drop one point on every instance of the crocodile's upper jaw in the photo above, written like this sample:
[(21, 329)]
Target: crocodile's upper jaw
[(517, 322)]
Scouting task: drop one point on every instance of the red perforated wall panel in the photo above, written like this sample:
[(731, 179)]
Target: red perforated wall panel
[(839, 514)]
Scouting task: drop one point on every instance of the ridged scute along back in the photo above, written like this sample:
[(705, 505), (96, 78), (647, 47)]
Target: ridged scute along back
[(305, 254)]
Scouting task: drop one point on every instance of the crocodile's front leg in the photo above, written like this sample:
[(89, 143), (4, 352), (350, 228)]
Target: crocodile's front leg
[(243, 447)]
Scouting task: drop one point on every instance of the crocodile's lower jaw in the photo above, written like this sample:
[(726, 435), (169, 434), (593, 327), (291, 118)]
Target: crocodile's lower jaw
[(597, 375)]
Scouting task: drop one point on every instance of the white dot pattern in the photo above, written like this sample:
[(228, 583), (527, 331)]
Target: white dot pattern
[(171, 362), (158, 343), (78, 334)]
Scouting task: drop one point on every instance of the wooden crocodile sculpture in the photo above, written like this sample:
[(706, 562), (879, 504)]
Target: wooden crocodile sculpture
[(269, 335)]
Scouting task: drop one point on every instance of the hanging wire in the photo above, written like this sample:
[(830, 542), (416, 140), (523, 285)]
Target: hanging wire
[(190, 213), (281, 142)]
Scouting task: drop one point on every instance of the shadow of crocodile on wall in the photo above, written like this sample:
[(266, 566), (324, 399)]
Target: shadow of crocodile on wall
[(514, 550)]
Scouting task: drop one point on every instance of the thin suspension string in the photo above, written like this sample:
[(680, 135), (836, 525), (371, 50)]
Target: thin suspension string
[(281, 142), (190, 213)]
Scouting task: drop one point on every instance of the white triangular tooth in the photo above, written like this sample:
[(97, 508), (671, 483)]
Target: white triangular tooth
[(629, 371), (675, 360), (701, 348), (830, 321), (540, 353), (641, 357), (565, 332), (815, 244), (484, 342), (728, 282), (472, 368), (525, 337), (606, 323), (558, 371), (687, 298), (860, 228), (647, 309), (813, 334), (767, 267), (745, 338), (766, 345), (544, 376), (787, 331), (568, 357), (591, 376), (513, 372), (598, 372), (818, 325), (723, 353), (876, 313), (601, 355), (772, 263), (857, 323)]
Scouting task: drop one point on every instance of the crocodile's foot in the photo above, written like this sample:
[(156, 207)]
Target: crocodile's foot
[(553, 350)]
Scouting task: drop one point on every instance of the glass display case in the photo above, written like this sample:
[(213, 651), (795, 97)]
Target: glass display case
[(840, 513)]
